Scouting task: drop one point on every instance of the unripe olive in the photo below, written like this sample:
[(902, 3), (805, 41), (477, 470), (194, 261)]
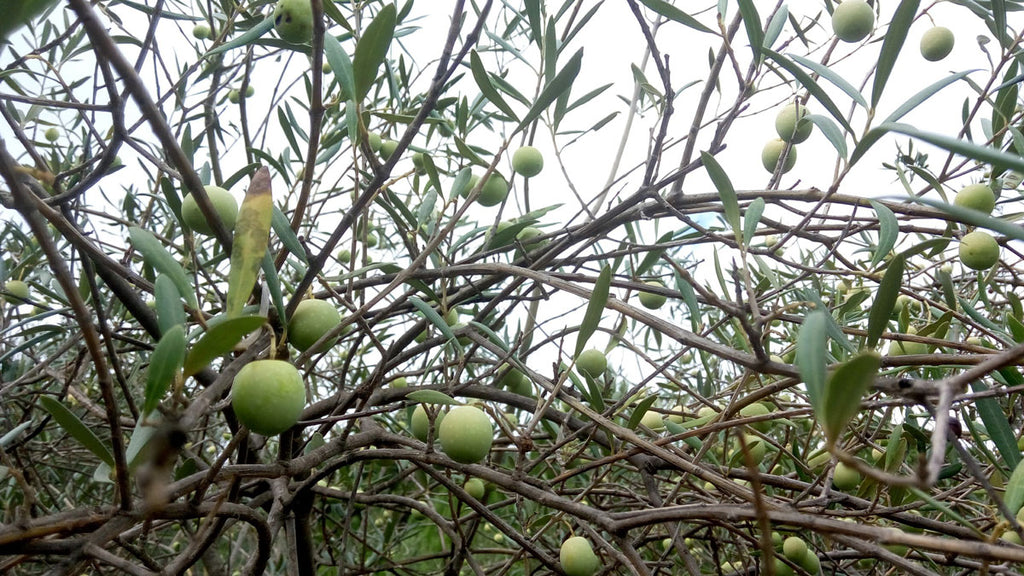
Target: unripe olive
[(466, 434), (223, 203), (772, 153), (979, 250), (591, 362), (791, 125), (937, 43), (853, 20), (527, 161), (978, 197)]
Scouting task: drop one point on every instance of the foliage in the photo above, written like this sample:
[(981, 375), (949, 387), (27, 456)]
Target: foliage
[(832, 296)]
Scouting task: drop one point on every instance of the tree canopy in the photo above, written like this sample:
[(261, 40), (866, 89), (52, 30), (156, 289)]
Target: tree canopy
[(645, 287)]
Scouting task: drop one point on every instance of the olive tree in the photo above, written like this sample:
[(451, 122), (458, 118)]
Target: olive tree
[(324, 286)]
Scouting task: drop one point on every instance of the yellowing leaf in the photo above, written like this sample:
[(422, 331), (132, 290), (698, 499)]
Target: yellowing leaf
[(252, 232)]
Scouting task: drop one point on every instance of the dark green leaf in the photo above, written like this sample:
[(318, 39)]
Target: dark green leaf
[(432, 317), (805, 79), (164, 366), (751, 219), (885, 300), (923, 95), (775, 26), (964, 148), (994, 418), (891, 46), (846, 386), (341, 65), (154, 254), (77, 429), (639, 411), (595, 309), (1014, 498), (830, 75), (284, 232), (431, 397), (1005, 104), (652, 256), (752, 23), (676, 15), (888, 231), (831, 131), (219, 339), (811, 356), (483, 82), (726, 192), (169, 311), (561, 83), (251, 35), (372, 49), (1016, 329), (976, 218)]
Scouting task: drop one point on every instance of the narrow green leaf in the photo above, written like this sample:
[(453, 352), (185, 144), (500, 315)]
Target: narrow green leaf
[(640, 410), (885, 300), (652, 256), (811, 356), (483, 81), (924, 94), (251, 35), (830, 75), (1014, 498), (751, 218), (976, 218), (372, 49), (994, 418), (964, 148), (891, 46), (775, 26), (77, 429), (676, 15), (690, 297), (284, 232), (978, 317), (433, 317), (561, 83), (999, 20), (219, 339), (832, 328), (341, 65), (274, 284), (169, 311), (595, 309), (1005, 104), (948, 292), (252, 234), (432, 397), (332, 11), (831, 131), (726, 192), (752, 23), (550, 51), (154, 254), (164, 366), (533, 17), (846, 386), (888, 231), (141, 435), (13, 434), (1016, 329), (19, 14), (805, 79)]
